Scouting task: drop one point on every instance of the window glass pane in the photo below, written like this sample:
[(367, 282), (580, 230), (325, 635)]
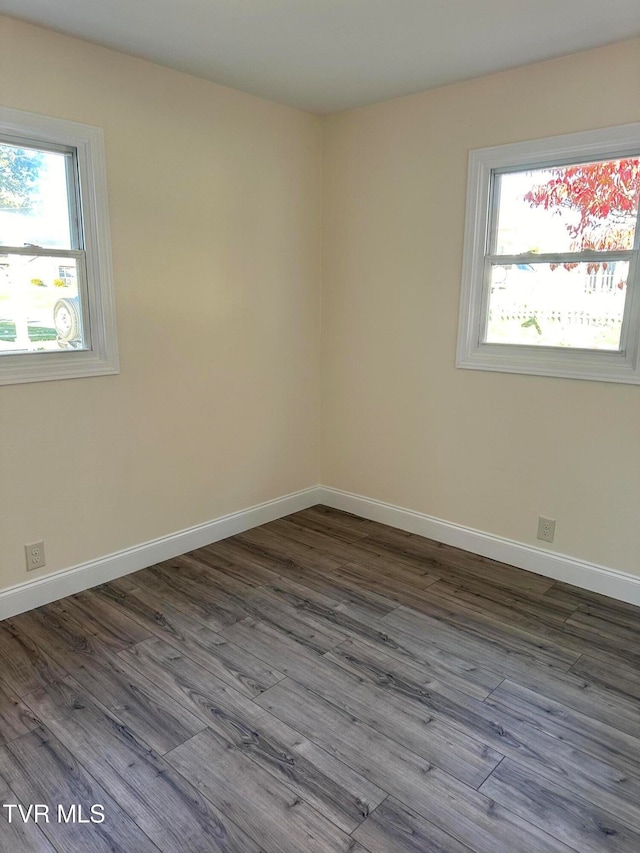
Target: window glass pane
[(34, 198), (545, 305), (568, 208), (40, 309)]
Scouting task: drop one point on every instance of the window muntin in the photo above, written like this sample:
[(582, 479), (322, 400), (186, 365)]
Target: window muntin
[(550, 279), (57, 316)]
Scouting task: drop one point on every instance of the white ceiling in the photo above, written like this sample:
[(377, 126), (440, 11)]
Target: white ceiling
[(330, 55)]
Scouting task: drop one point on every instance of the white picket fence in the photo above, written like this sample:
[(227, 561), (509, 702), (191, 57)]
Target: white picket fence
[(522, 313)]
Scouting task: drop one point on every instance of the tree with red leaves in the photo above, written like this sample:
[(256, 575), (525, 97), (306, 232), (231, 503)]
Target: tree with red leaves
[(605, 194)]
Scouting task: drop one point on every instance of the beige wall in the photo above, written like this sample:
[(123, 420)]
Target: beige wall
[(215, 202), (400, 423)]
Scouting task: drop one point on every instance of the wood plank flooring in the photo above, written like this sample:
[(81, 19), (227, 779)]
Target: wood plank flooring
[(322, 684)]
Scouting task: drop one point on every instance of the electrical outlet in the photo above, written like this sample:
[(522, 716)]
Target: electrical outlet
[(546, 529), (34, 554)]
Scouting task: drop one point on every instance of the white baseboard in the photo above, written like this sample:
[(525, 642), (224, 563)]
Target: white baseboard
[(35, 593), (580, 573)]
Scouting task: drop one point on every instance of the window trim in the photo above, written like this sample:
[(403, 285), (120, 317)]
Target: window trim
[(99, 310), (606, 366)]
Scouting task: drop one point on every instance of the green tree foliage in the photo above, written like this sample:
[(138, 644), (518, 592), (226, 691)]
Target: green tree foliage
[(19, 172)]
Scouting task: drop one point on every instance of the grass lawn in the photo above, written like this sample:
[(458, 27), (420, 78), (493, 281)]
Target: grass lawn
[(36, 332)]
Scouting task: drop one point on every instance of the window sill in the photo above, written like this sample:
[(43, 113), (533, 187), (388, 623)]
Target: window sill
[(546, 361)]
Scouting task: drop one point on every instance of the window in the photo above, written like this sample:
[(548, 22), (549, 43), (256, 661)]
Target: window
[(551, 275), (57, 318), (67, 275)]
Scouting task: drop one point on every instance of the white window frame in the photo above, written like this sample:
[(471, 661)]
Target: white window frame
[(98, 306), (620, 366)]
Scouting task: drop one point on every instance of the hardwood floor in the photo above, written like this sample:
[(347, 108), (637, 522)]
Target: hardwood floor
[(324, 683)]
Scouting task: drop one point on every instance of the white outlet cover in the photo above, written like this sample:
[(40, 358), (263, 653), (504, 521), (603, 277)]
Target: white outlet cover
[(546, 529), (34, 556)]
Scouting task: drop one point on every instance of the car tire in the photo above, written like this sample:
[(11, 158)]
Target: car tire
[(66, 319)]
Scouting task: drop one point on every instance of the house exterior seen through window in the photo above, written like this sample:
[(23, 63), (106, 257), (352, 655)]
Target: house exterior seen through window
[(56, 302), (550, 282)]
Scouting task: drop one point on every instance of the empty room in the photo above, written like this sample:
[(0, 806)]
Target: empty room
[(319, 426)]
